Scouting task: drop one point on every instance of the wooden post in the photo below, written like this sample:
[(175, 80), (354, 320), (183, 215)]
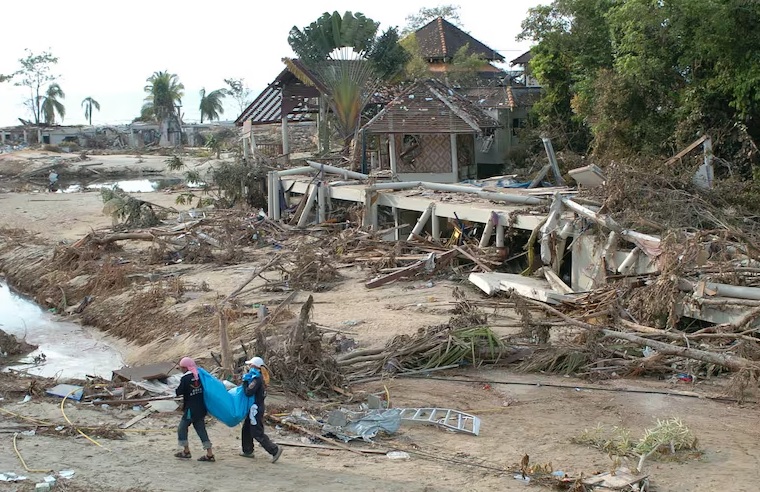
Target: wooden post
[(224, 342), (454, 159), (392, 153)]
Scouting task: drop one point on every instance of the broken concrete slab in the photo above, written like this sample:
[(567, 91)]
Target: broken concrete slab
[(533, 288), (163, 406), (589, 176), (488, 282), (144, 373), (69, 391)]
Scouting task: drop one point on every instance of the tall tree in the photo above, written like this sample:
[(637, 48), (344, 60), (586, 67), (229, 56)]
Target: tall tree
[(51, 105), (426, 14), (164, 93), (211, 104), (351, 59), (35, 73), (88, 103), (646, 76), (239, 92)]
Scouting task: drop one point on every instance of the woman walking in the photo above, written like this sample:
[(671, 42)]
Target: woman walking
[(193, 411)]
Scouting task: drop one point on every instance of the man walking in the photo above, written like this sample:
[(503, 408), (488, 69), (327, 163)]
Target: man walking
[(254, 384)]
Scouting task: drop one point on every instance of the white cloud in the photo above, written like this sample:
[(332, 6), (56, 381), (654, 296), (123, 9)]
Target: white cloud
[(108, 49)]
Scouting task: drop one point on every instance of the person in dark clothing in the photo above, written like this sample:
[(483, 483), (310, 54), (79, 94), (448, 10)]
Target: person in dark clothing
[(254, 384), (193, 411)]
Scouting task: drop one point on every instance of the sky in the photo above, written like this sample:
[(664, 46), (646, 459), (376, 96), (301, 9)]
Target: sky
[(107, 50)]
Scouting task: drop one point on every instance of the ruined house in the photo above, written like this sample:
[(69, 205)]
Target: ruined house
[(427, 133)]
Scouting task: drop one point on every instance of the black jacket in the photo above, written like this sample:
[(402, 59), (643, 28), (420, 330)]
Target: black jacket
[(191, 390)]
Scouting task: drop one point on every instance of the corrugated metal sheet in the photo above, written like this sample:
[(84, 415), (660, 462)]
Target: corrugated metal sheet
[(430, 107), (440, 39)]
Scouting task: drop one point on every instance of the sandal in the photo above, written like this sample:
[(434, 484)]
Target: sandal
[(206, 457), (183, 455)]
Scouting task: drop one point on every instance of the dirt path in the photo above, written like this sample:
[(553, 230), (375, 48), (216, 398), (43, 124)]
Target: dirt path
[(539, 421)]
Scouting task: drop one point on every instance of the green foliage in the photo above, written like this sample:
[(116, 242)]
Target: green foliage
[(211, 105), (668, 436), (129, 211), (239, 183), (174, 163), (416, 66), (88, 103), (346, 53), (5, 78), (238, 91), (465, 67), (35, 73), (164, 93), (51, 104), (426, 14), (642, 76)]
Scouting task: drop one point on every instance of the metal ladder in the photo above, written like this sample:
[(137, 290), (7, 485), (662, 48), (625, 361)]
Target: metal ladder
[(443, 417)]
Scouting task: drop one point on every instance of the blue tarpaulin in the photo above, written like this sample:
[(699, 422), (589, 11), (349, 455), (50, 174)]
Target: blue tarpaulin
[(229, 407)]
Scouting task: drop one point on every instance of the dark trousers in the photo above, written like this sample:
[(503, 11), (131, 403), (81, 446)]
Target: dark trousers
[(200, 428), (251, 432)]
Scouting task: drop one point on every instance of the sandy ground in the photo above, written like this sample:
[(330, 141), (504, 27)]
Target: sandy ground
[(517, 419), (539, 421)]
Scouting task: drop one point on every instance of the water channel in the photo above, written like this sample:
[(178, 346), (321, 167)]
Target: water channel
[(71, 350)]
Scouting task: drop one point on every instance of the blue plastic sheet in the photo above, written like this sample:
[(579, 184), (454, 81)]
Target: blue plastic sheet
[(229, 407)]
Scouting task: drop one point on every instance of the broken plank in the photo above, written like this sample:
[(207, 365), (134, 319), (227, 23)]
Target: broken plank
[(413, 268), (472, 258), (556, 282), (138, 418), (330, 448)]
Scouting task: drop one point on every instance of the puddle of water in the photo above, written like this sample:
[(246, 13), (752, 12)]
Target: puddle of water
[(127, 185), (71, 350)]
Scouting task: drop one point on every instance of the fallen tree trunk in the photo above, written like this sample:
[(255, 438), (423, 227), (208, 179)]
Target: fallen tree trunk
[(731, 362)]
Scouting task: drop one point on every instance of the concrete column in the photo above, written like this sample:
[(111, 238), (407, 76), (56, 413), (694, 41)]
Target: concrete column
[(435, 225), (39, 136), (285, 139), (499, 236), (26, 139), (396, 223), (392, 152), (421, 223), (2, 136), (454, 159)]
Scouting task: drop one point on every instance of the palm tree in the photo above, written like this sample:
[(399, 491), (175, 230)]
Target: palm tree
[(88, 103), (352, 59), (51, 105), (211, 104), (165, 93)]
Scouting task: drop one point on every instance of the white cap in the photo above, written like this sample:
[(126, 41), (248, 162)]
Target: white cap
[(255, 362)]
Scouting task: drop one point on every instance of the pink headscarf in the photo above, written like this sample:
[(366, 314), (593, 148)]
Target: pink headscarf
[(189, 364)]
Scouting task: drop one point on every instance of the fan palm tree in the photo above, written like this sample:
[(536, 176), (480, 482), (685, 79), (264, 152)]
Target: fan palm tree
[(51, 105), (211, 104), (164, 93), (351, 59), (88, 103)]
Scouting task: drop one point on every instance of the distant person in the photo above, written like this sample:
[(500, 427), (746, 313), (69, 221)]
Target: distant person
[(193, 411), (53, 181), (254, 384)]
